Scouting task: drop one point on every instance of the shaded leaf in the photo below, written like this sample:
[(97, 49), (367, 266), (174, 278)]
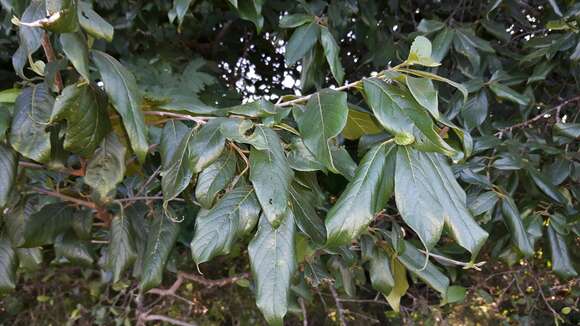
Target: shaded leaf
[(122, 252), (301, 41), (107, 166), (513, 220), (215, 178), (332, 54), (305, 214), (561, 263), (206, 145), (94, 24), (160, 242), (75, 47), (42, 227), (358, 124), (76, 251), (178, 170), (295, 20), (8, 265), (414, 261), (505, 92), (8, 170)]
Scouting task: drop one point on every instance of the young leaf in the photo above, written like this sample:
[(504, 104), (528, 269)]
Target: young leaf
[(107, 166), (8, 170), (75, 47), (94, 24), (273, 262), (8, 265), (511, 217), (178, 171), (332, 54), (206, 145), (160, 242), (561, 263), (302, 40), (215, 178), (367, 194), (122, 89), (85, 111), (324, 118), (428, 196), (122, 253), (271, 176), (217, 229), (420, 53), (28, 135)]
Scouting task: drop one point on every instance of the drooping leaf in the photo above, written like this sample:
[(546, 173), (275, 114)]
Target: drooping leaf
[(302, 40), (122, 89), (428, 196), (273, 262), (512, 219), (85, 111), (42, 227), (507, 93), (271, 176), (367, 194), (215, 178), (561, 262), (423, 91), (28, 135), (160, 242), (414, 261), (546, 187), (380, 271), (122, 252), (75, 47), (173, 133), (206, 145), (305, 214), (324, 118), (401, 285), (178, 171), (8, 169), (93, 23), (332, 54), (107, 166), (217, 229), (29, 37), (8, 265)]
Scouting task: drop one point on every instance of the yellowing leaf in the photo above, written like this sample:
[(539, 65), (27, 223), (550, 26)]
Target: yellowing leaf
[(358, 124)]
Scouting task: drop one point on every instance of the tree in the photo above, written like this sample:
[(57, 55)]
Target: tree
[(321, 144)]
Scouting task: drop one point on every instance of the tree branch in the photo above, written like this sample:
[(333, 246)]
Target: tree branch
[(64, 197), (50, 57), (166, 319), (338, 304)]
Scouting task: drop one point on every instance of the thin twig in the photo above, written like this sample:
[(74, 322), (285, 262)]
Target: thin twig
[(138, 198), (77, 201), (198, 120), (338, 305), (50, 57), (167, 319), (303, 308)]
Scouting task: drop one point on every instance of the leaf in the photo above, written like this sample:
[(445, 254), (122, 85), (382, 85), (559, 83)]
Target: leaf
[(301, 159), (546, 187), (428, 196), (343, 162), (215, 178), (504, 92), (324, 118), (429, 26), (107, 166), (455, 293), (295, 20), (271, 176), (363, 197), (85, 111), (74, 250), (9, 95), (332, 54), (94, 24), (243, 131), (160, 242), (382, 278), (251, 10), (206, 145), (570, 130), (122, 89), (359, 123), (8, 170), (442, 43), (414, 261), (561, 263), (483, 203), (469, 37), (496, 29), (178, 171), (42, 227), (28, 135), (75, 47), (29, 259), (217, 229), (511, 217), (301, 41), (401, 285), (305, 214), (8, 265), (273, 262), (474, 111), (29, 37), (180, 7), (429, 75), (256, 109), (420, 53), (67, 21), (122, 252), (423, 91), (174, 131)]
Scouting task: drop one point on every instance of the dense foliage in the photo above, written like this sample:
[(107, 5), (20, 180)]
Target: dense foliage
[(365, 147)]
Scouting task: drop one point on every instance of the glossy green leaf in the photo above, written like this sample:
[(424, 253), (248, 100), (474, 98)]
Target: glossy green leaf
[(93, 23), (414, 261), (74, 250), (324, 118), (174, 131), (244, 131), (217, 229), (122, 252), (251, 10), (107, 166), (8, 265), (474, 111), (273, 262), (85, 111), (546, 187), (513, 220), (43, 226), (425, 74), (345, 165), (177, 173), (367, 194), (302, 40), (66, 11), (428, 197), (206, 145), (122, 89), (561, 262), (358, 124), (161, 240), (507, 93), (382, 278), (215, 178), (75, 47), (271, 176), (295, 20), (332, 54), (301, 159), (28, 135), (305, 214), (423, 91), (429, 26), (8, 170), (441, 44), (483, 203)]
